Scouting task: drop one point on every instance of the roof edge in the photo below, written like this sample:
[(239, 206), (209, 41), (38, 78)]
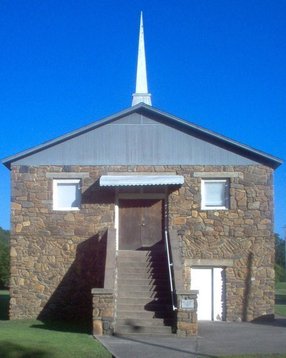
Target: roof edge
[(272, 161)]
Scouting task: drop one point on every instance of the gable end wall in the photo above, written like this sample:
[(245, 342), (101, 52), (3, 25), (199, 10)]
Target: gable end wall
[(58, 257)]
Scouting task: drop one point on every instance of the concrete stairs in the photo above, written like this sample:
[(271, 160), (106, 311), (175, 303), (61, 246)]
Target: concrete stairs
[(143, 293)]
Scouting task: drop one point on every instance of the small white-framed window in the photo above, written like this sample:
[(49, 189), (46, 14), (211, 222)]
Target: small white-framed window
[(215, 194), (66, 194)]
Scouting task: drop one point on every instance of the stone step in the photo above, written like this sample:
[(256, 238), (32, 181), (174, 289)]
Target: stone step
[(154, 330)]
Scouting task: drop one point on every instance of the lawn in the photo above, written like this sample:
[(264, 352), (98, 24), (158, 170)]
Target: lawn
[(31, 338), (281, 288), (256, 356), (280, 307)]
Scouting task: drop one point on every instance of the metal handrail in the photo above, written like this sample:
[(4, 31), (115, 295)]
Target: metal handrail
[(170, 265)]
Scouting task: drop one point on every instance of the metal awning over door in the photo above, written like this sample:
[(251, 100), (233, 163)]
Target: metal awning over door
[(140, 180)]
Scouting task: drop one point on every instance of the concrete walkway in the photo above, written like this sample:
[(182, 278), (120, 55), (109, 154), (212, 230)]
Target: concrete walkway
[(214, 339)]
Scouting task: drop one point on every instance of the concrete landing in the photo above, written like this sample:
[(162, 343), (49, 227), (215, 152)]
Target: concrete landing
[(214, 339)]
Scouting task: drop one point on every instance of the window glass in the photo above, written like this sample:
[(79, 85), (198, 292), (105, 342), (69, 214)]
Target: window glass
[(67, 195), (215, 194)]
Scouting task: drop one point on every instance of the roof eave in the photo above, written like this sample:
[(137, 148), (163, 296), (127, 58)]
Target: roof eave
[(263, 157)]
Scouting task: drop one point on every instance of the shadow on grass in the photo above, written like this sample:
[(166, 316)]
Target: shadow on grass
[(276, 322), (4, 305), (280, 299), (8, 349), (64, 326)]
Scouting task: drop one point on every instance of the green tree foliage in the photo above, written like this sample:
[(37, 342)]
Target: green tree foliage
[(279, 259), (4, 258)]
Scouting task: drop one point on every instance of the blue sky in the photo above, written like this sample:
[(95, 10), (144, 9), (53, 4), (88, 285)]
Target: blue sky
[(218, 63)]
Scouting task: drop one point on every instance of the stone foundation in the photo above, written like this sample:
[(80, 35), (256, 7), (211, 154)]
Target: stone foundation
[(187, 323), (103, 312)]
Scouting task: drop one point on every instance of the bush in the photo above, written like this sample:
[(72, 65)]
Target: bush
[(4, 258)]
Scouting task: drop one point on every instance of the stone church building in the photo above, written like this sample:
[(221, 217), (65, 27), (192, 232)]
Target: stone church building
[(142, 222)]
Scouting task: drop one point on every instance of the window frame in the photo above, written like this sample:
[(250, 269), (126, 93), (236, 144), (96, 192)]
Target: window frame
[(226, 205), (56, 182)]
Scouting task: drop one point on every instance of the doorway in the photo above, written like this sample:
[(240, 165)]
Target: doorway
[(210, 282), (140, 223)]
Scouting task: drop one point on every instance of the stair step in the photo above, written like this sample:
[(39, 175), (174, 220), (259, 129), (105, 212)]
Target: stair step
[(128, 253), (152, 306), (144, 322), (154, 330), (144, 273), (142, 258), (144, 300), (147, 260), (143, 293), (147, 289), (142, 263), (142, 276), (143, 281), (142, 314), (126, 269), (152, 294)]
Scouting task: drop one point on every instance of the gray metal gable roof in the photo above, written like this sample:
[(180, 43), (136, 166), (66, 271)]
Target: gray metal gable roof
[(164, 118)]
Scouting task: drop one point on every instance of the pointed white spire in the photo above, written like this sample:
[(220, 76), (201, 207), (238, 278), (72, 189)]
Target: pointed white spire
[(141, 94)]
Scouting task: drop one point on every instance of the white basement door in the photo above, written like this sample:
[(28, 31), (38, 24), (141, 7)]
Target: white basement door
[(209, 282)]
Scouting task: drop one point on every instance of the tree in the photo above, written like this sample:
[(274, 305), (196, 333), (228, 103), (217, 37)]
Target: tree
[(4, 258), (279, 258)]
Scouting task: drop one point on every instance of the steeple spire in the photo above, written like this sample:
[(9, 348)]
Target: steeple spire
[(141, 94)]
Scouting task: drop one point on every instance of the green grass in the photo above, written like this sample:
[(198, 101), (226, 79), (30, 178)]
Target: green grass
[(280, 294), (23, 339), (32, 338), (281, 288), (257, 356)]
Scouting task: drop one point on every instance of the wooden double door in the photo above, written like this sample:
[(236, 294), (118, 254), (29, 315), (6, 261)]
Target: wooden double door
[(140, 223)]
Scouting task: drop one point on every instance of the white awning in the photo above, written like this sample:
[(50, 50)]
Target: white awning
[(139, 180)]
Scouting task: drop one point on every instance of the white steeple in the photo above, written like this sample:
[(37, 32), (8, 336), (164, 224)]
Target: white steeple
[(141, 94)]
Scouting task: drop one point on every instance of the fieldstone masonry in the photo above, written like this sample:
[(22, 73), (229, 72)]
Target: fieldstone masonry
[(187, 322), (103, 312), (57, 257)]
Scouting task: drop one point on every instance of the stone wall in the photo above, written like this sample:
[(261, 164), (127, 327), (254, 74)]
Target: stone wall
[(103, 312), (241, 235), (57, 257), (187, 321)]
